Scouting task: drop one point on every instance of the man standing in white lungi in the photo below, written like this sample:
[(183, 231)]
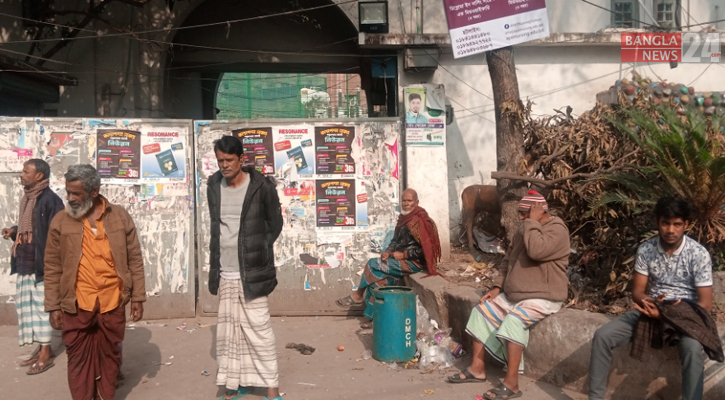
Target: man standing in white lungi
[(37, 208), (246, 219)]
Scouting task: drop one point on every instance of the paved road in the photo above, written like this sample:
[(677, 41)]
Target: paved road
[(326, 374)]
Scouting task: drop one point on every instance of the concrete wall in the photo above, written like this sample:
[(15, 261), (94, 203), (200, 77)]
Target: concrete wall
[(305, 287), (163, 212)]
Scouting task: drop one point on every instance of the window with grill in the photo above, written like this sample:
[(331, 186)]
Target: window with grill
[(666, 13), (625, 13)]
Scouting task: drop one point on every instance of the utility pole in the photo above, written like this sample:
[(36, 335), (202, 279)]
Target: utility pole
[(509, 133)]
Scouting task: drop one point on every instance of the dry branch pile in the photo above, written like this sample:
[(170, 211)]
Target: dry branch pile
[(572, 161)]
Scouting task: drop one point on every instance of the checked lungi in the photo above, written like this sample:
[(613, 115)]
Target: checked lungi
[(33, 321), (378, 273), (498, 321), (246, 347)]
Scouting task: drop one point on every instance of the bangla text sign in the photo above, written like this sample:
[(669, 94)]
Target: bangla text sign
[(671, 47), (477, 26)]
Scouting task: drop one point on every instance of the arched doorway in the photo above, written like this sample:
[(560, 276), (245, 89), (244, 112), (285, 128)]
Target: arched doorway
[(318, 41)]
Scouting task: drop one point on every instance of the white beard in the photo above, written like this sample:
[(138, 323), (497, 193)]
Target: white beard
[(405, 212), (82, 211)]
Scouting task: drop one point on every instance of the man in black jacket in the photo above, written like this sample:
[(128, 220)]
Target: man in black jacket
[(246, 219), (37, 208), (415, 246)]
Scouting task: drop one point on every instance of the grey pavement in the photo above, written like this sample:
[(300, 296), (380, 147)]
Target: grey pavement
[(162, 362)]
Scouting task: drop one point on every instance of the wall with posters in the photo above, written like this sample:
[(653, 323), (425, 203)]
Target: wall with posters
[(145, 167), (338, 182)]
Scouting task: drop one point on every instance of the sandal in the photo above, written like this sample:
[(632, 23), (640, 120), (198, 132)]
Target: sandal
[(500, 391), (43, 367), (241, 392), (468, 377), (366, 325), (346, 302), (33, 358)]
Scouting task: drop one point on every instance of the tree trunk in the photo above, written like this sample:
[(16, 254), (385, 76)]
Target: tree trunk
[(509, 135)]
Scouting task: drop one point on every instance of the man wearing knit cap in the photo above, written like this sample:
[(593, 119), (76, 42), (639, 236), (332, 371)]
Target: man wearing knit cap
[(531, 286)]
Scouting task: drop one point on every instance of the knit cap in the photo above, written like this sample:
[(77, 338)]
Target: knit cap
[(531, 198)]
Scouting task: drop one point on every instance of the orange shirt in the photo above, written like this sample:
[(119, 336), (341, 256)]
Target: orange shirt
[(97, 276)]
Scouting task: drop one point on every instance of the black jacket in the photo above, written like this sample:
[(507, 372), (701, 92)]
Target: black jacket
[(46, 206), (261, 224), (404, 242)]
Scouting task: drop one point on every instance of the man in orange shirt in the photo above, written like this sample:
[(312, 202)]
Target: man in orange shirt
[(89, 279)]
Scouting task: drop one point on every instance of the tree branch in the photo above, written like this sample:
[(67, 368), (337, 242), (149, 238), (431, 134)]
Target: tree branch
[(550, 182), (94, 12)]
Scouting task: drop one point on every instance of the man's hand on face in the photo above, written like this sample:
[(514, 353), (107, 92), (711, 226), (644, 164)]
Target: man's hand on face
[(7, 232), (56, 319), (537, 212)]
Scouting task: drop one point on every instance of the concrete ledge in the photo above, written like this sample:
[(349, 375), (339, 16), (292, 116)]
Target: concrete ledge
[(432, 292), (560, 347)]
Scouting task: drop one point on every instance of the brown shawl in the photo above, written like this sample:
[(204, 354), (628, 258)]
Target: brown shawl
[(425, 232)]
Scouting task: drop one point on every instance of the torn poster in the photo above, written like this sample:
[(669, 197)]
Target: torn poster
[(343, 238), (118, 155), (163, 157), (57, 141), (257, 144), (336, 202), (295, 143), (361, 198), (334, 150), (12, 160), (209, 165)]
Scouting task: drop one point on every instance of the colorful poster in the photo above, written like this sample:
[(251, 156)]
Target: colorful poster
[(423, 126), (294, 143), (257, 144), (57, 141), (334, 150), (163, 157), (118, 155), (336, 201)]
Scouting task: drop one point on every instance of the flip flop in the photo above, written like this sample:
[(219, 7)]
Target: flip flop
[(241, 392), (346, 302), (468, 377), (33, 358), (500, 391), (43, 367)]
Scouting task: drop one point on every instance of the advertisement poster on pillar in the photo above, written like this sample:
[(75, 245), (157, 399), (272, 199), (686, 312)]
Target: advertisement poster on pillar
[(477, 26), (423, 126), (336, 204), (118, 155), (163, 155), (258, 151), (333, 151), (294, 144)]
